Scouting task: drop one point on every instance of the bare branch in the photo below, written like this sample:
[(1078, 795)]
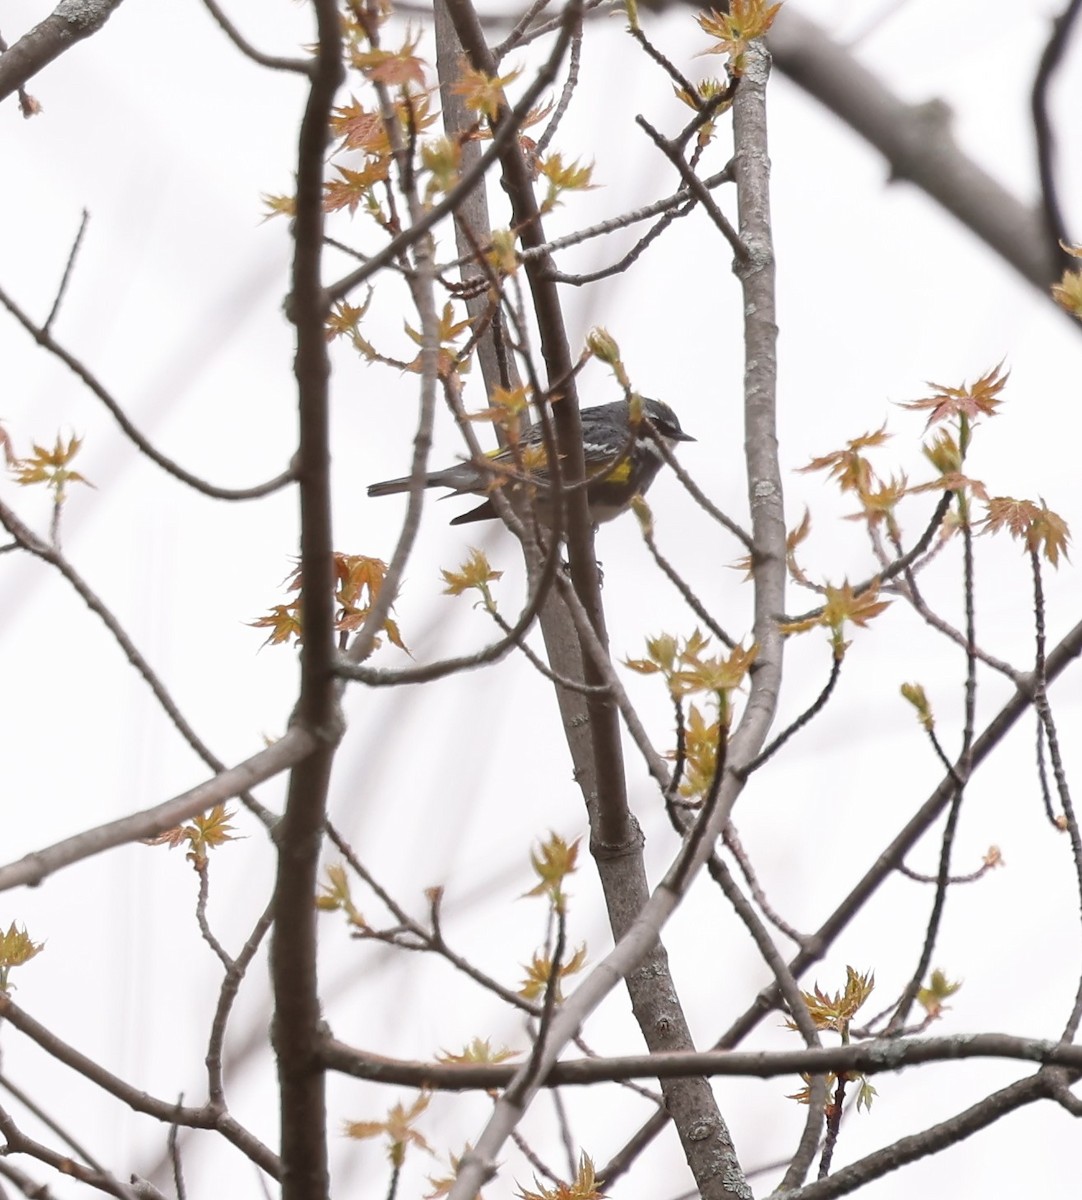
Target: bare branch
[(206, 1117), (917, 142), (878, 1056), (70, 22), (1055, 227), (45, 339), (65, 278), (32, 868), (34, 545), (299, 65)]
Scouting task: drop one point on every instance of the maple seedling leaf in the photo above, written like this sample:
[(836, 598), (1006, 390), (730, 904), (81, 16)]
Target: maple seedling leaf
[(51, 467), (702, 740), (602, 345), (397, 1127), (395, 68), (539, 971), (1068, 292), (562, 177), (205, 833), (447, 331), (719, 674), (502, 256), (442, 1185), (842, 605), (359, 579), (1036, 525), (552, 863), (354, 187), (660, 657), (836, 1012), (360, 129), (278, 206), (344, 320), (735, 29), (967, 402), (849, 467), (476, 573), (688, 669), (507, 408), (442, 158), (16, 948), (284, 622), (477, 1051), (938, 988), (582, 1187), (335, 896), (484, 93)]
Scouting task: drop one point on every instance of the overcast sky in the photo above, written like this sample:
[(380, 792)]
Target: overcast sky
[(168, 138)]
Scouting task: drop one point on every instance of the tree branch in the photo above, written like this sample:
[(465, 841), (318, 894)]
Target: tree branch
[(32, 869), (293, 956), (917, 142), (70, 22)]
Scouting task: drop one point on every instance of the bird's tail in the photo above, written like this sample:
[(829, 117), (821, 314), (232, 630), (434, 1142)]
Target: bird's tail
[(462, 477), (391, 487)]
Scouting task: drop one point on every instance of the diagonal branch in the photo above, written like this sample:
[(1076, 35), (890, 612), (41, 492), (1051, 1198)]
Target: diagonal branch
[(32, 869), (70, 22), (45, 339), (917, 143)]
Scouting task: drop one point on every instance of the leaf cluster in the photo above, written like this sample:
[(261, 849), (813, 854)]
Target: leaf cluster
[(16, 948), (203, 834), (358, 579), (689, 670)]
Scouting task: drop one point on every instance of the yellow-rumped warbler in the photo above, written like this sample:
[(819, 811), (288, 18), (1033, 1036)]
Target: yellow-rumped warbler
[(606, 439)]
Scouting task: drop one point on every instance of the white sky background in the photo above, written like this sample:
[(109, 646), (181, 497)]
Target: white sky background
[(168, 137)]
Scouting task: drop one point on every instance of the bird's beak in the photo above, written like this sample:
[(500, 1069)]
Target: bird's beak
[(683, 437)]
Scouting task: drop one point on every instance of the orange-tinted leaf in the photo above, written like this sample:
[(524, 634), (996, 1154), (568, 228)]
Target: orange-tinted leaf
[(396, 68), (283, 621), (279, 206), (970, 400), (360, 129), (745, 21), (552, 864), (478, 1051), (484, 93), (849, 466), (1042, 530)]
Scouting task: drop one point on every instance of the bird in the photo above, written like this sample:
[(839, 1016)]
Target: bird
[(620, 463)]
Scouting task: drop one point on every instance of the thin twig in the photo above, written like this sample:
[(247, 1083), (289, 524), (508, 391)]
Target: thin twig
[(683, 587), (299, 66), (48, 554), (736, 848), (175, 1160), (431, 939), (1052, 56), (45, 339), (49, 1123), (566, 92), (227, 994), (204, 1117), (201, 917), (816, 707), (72, 254), (695, 184)]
